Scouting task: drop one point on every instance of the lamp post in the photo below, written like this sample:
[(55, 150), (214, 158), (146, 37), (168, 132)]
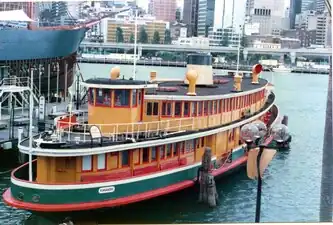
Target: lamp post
[(258, 160)]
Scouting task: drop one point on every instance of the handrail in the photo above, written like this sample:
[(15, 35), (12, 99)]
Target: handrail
[(19, 81), (123, 131)]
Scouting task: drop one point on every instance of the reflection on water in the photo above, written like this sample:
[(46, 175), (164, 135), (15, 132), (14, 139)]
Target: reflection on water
[(291, 186)]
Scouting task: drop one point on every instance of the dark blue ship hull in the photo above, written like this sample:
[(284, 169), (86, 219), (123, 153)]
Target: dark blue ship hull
[(39, 44)]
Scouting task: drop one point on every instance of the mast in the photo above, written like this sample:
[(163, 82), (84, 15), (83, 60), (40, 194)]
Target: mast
[(135, 42), (31, 101), (239, 46)]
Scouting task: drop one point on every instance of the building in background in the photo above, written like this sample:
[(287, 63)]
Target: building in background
[(164, 9), (178, 30), (295, 8), (268, 14), (223, 37), (320, 6), (307, 5), (206, 11), (311, 20), (306, 37), (190, 16), (128, 26)]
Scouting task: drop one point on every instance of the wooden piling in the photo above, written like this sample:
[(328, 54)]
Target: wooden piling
[(208, 193)]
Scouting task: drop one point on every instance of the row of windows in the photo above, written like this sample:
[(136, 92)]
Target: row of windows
[(163, 152), (115, 98), (202, 108)]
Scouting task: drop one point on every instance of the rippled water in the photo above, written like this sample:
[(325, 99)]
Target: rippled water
[(291, 186)]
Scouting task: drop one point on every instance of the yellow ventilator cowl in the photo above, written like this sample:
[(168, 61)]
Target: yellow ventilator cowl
[(115, 73), (192, 77)]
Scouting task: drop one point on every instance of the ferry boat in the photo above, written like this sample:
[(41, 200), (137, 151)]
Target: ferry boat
[(143, 139)]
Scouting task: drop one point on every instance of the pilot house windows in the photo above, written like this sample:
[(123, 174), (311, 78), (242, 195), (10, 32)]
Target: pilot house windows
[(121, 98), (103, 97)]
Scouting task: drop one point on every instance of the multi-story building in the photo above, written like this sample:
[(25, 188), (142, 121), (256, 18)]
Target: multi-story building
[(190, 16), (268, 14), (306, 37), (206, 11), (319, 22), (295, 8), (164, 9), (320, 6), (128, 26), (223, 37), (307, 5)]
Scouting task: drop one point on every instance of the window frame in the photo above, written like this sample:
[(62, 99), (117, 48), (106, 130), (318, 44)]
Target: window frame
[(91, 163), (105, 162), (128, 98)]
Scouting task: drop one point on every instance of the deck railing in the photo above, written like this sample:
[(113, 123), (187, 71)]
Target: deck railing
[(80, 132)]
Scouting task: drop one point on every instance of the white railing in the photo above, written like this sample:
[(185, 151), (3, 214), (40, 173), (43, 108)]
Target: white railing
[(20, 82), (123, 131)]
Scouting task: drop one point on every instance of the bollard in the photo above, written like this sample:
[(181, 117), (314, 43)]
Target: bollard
[(207, 192)]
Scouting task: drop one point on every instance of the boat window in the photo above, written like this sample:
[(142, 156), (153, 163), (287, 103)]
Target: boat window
[(139, 97), (121, 97), (134, 97), (145, 155), (210, 107), (166, 108), (214, 107), (103, 97), (202, 142), (218, 106), (149, 108), (189, 146), (198, 143), (186, 109), (91, 96), (155, 109), (101, 162), (124, 158), (221, 106), (174, 150), (194, 108), (178, 108), (162, 153), (87, 163), (199, 108), (180, 147), (153, 154), (168, 150), (206, 108)]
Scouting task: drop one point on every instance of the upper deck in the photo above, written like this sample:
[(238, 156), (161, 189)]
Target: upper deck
[(223, 85)]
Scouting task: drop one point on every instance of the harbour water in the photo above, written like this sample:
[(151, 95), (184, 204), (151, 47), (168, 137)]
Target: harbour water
[(291, 185)]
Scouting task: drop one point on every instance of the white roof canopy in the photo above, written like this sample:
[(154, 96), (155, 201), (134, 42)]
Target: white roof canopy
[(14, 15)]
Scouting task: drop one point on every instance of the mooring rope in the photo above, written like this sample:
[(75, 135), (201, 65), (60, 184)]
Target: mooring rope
[(5, 172)]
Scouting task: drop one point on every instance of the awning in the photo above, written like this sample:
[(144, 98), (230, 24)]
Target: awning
[(14, 16)]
